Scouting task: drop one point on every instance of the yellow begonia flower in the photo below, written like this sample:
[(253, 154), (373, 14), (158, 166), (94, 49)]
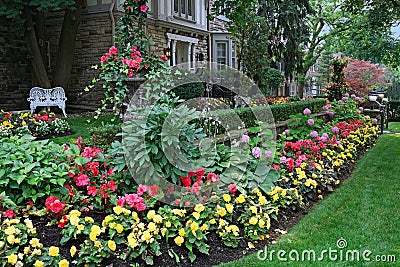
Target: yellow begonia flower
[(179, 240), (72, 251), (11, 239), (89, 219), (199, 208), (146, 236), (253, 209), (119, 228), (75, 213), (229, 208), (151, 214), (261, 223), (240, 199), (152, 226), (111, 244), (117, 210), (226, 197), (262, 200), (253, 220), (10, 230), (168, 224), (196, 215), (63, 263), (182, 232), (12, 259), (221, 211), (54, 251), (157, 219), (38, 263), (107, 219), (74, 220)]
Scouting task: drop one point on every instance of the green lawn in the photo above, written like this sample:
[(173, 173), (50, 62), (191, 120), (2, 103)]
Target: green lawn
[(80, 126), (394, 127), (364, 212)]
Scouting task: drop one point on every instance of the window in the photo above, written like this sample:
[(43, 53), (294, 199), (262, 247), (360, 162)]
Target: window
[(222, 56), (184, 9)]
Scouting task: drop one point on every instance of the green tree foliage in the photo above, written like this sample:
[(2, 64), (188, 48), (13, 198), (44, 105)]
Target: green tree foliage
[(29, 20), (266, 33)]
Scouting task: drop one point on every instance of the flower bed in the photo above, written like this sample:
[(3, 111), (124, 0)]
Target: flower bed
[(134, 226), (39, 125)]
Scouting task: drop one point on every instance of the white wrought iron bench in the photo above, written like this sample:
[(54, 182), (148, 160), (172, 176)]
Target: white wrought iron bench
[(54, 97)]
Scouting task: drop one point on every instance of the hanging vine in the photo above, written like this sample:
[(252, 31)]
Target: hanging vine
[(129, 58)]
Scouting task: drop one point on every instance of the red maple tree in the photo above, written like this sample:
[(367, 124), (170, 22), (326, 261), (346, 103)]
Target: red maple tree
[(363, 76)]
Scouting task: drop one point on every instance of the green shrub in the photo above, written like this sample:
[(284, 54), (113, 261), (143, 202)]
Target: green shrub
[(102, 136), (189, 90), (280, 112), (31, 170)]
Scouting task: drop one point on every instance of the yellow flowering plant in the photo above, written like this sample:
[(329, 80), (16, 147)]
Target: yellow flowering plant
[(18, 242)]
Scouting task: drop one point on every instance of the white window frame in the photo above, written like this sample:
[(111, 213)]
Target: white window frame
[(185, 14), (231, 50)]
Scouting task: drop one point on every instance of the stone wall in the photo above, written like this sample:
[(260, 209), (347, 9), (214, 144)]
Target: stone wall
[(93, 40), (15, 69)]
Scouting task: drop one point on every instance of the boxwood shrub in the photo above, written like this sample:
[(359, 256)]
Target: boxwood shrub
[(280, 112)]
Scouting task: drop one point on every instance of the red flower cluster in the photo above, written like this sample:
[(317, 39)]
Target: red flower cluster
[(53, 204), (44, 117), (9, 214), (136, 201), (134, 61), (199, 178), (347, 127), (94, 175), (112, 53)]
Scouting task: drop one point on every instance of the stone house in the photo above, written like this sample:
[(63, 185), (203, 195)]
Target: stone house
[(178, 25)]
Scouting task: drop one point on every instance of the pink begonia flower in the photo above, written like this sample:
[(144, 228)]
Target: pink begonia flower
[(143, 8), (232, 188)]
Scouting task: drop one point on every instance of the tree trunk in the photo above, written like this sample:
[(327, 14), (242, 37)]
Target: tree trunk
[(40, 29), (66, 47), (39, 68)]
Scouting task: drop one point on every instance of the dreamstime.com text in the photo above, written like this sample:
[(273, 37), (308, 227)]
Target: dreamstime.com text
[(338, 253)]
